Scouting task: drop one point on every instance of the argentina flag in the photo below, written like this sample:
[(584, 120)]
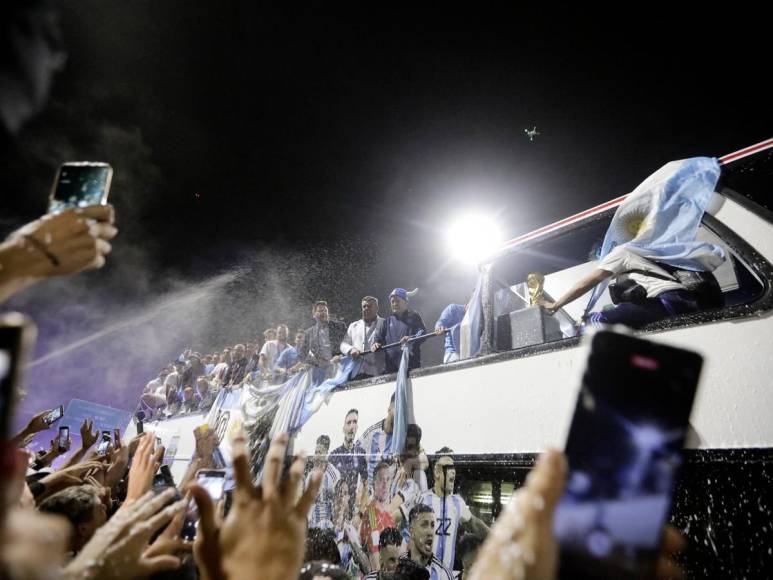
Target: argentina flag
[(469, 336), (659, 220), (403, 403)]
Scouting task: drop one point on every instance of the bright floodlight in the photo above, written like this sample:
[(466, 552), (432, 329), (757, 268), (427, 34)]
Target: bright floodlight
[(474, 237)]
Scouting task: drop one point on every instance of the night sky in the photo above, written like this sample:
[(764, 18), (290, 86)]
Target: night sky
[(283, 156)]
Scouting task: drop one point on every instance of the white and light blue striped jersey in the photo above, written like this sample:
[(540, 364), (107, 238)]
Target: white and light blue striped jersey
[(409, 491), (450, 511), (378, 446), (321, 513), (435, 568)]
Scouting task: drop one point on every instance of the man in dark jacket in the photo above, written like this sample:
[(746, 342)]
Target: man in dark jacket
[(323, 340), (399, 327)]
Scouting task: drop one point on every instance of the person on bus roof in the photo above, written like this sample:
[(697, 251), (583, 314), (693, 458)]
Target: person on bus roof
[(642, 290)]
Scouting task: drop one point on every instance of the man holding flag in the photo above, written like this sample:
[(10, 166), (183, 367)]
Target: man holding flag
[(650, 251)]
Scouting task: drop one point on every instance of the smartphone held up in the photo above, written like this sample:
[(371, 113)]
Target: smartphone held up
[(63, 441), (212, 480), (624, 453), (80, 184)]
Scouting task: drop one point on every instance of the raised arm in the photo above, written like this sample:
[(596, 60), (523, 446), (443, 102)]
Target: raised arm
[(580, 288)]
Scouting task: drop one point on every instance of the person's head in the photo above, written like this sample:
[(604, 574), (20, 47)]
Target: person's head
[(340, 499), (350, 426), (410, 454), (398, 300), (407, 569), (321, 546), (269, 334), (445, 474), (421, 526), (320, 451), (179, 366), (389, 543), (282, 332), (320, 311), (237, 353), (322, 571), (468, 549), (389, 420), (300, 339), (225, 356), (381, 480), (163, 373), (203, 384), (83, 507), (369, 306)]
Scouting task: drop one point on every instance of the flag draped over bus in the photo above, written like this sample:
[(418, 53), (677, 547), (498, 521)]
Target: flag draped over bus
[(471, 325), (659, 220), (403, 403)]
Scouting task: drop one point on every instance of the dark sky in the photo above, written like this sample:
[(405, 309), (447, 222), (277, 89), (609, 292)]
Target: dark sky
[(319, 152)]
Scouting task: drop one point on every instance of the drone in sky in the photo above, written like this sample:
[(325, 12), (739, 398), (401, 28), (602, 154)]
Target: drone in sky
[(532, 133)]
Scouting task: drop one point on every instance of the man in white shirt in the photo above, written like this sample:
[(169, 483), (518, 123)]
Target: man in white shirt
[(360, 338), (651, 292), (272, 349)]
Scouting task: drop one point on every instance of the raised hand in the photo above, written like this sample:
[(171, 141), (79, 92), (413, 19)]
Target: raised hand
[(119, 549), (521, 544), (144, 466), (266, 528), (88, 437)]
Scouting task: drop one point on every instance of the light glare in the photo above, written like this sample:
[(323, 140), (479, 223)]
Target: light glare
[(472, 238)]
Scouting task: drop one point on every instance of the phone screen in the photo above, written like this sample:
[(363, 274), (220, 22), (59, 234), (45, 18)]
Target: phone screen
[(212, 480), (54, 415), (104, 445), (7, 395), (624, 453), (16, 336), (64, 436), (80, 184)]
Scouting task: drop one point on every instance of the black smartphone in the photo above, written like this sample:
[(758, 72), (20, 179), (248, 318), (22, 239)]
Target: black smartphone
[(116, 436), (80, 184), (54, 415), (140, 422), (159, 443), (104, 445), (213, 481), (624, 454), (17, 337), (166, 475), (64, 437)]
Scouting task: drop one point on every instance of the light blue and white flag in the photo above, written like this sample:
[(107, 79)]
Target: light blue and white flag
[(403, 404), (659, 220), (316, 394), (469, 337)]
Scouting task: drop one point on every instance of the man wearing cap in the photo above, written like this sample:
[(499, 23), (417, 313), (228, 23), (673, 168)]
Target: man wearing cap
[(399, 327)]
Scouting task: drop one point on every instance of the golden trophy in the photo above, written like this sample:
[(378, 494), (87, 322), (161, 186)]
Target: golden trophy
[(536, 282)]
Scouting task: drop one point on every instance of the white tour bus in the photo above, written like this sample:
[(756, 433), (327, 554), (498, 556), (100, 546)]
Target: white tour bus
[(497, 411)]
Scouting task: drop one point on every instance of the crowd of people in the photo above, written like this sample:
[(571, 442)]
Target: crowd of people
[(112, 511), (191, 382)]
